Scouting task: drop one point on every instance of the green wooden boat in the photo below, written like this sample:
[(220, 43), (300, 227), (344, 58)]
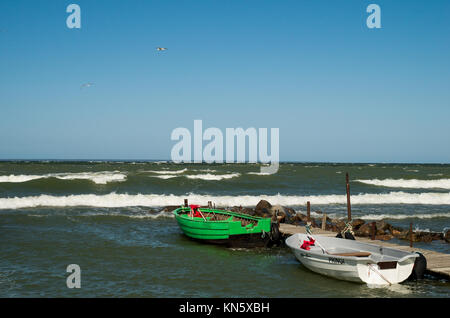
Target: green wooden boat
[(224, 227)]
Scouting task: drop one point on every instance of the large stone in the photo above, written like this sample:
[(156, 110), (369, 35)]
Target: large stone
[(278, 212), (170, 208), (357, 223), (331, 227), (395, 232), (290, 214), (263, 208), (364, 230), (383, 227), (429, 236), (299, 218), (338, 224), (235, 209)]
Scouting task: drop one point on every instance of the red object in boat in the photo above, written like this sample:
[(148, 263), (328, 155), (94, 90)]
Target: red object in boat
[(306, 244), (194, 212)]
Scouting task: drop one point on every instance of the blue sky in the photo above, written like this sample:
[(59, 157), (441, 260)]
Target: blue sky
[(337, 90)]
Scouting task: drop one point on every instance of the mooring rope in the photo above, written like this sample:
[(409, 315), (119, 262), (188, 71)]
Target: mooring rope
[(308, 228), (348, 229)]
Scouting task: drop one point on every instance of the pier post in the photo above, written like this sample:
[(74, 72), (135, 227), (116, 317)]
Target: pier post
[(349, 209), (374, 230), (308, 211), (186, 202), (324, 221)]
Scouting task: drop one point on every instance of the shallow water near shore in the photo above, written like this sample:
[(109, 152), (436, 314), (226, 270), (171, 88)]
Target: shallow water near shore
[(104, 216), (143, 257)]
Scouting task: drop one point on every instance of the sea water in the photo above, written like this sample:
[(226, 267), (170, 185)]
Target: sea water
[(105, 216)]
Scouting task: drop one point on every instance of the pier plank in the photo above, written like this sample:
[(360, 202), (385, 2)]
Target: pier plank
[(437, 263)]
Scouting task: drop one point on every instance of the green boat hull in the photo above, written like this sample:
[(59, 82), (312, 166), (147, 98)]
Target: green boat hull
[(235, 229)]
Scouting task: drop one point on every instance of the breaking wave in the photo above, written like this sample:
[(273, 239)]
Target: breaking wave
[(209, 176), (19, 178), (102, 177), (170, 176), (411, 183), (377, 217), (260, 173), (157, 215), (166, 172), (112, 200), (404, 216)]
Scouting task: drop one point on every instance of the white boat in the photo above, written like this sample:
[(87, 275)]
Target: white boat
[(354, 261)]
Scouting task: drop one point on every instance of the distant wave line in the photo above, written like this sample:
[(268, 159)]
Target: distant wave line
[(409, 183), (102, 177), (207, 176)]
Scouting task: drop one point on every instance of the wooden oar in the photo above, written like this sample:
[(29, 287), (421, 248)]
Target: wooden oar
[(315, 241)]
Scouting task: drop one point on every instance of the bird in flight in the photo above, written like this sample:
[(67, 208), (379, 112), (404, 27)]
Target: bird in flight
[(86, 85), (161, 49)]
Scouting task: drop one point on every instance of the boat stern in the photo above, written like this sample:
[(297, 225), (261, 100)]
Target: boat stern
[(386, 273)]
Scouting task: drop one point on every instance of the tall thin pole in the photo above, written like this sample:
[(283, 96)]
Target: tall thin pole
[(349, 208), (374, 230), (308, 210)]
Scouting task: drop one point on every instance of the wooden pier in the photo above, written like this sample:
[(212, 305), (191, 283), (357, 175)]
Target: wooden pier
[(438, 264)]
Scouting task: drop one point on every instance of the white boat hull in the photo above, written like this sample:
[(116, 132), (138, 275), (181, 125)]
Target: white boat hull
[(384, 266)]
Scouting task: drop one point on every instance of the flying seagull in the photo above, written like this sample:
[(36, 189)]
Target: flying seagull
[(86, 85), (161, 49)]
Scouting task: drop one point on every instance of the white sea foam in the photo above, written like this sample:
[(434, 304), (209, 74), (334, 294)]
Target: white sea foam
[(260, 173), (97, 177), (207, 176), (170, 176), (205, 170), (411, 183), (133, 216), (216, 177), (403, 216), (166, 172), (150, 216), (19, 178), (102, 177), (377, 217), (112, 200)]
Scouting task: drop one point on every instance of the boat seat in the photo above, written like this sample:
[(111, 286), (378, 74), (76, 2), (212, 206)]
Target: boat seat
[(357, 254)]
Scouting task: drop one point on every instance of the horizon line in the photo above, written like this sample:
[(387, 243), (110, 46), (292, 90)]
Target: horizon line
[(170, 161)]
